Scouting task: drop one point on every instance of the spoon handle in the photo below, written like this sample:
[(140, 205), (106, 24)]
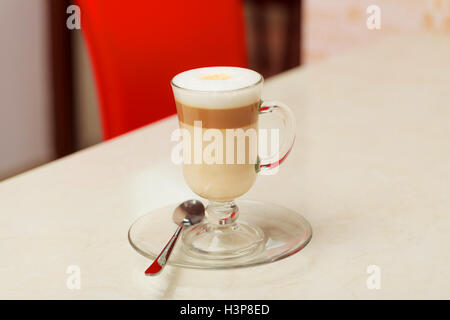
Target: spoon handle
[(161, 260)]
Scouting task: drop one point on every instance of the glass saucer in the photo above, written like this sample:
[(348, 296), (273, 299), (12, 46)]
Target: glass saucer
[(286, 232)]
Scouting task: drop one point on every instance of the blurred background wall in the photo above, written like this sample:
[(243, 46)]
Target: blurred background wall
[(333, 27), (280, 35), (25, 103), (87, 118)]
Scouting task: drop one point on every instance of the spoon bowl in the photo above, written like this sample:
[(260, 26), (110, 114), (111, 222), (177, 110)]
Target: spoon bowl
[(189, 213)]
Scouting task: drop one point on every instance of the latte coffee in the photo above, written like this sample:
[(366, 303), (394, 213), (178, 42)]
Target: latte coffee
[(221, 104)]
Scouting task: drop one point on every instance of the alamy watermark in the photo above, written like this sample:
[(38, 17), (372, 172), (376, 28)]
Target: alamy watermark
[(73, 281), (224, 147), (73, 22), (373, 282), (374, 19)]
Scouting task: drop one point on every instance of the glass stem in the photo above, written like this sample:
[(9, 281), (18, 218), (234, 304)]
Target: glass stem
[(222, 213)]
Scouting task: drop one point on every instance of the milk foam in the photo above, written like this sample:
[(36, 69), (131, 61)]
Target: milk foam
[(217, 87)]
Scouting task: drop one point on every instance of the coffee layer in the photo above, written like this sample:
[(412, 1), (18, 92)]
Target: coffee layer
[(218, 118), (222, 181)]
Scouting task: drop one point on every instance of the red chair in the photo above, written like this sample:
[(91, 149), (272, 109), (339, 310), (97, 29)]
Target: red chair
[(137, 46)]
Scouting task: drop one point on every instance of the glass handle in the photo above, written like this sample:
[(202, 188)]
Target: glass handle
[(266, 164)]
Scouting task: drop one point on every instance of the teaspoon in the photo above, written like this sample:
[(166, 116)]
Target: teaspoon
[(188, 213)]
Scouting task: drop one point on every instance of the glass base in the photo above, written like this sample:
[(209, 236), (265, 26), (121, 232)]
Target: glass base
[(263, 233), (225, 242)]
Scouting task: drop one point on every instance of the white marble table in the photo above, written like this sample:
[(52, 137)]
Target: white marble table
[(370, 171)]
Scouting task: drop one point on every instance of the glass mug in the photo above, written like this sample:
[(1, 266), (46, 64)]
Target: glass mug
[(218, 110)]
